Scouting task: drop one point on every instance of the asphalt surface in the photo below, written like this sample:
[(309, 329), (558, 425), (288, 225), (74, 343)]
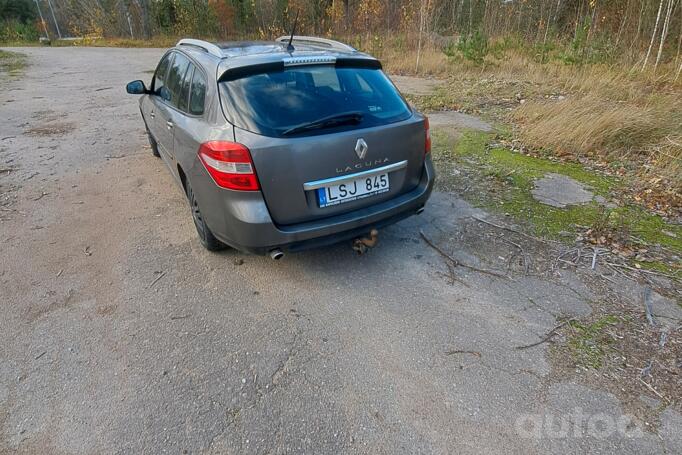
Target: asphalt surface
[(120, 334)]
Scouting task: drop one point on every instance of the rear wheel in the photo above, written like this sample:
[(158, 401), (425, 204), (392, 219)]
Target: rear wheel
[(206, 237)]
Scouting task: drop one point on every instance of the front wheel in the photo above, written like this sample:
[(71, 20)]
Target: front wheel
[(206, 237)]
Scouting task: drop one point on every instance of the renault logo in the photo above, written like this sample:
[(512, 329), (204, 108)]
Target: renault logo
[(361, 148)]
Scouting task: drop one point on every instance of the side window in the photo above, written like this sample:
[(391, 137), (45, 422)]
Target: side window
[(183, 100), (160, 73), (175, 75), (196, 101)]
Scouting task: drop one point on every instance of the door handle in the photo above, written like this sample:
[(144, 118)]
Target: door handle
[(169, 125)]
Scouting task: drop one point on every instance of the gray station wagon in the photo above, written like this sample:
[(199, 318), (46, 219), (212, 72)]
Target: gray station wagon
[(286, 145)]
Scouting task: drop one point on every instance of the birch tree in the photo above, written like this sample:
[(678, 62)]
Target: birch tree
[(653, 35), (664, 32)]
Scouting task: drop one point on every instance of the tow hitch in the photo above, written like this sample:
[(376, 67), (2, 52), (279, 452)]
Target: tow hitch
[(362, 244)]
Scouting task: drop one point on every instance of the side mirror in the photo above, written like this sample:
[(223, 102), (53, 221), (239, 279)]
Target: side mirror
[(165, 94), (136, 88)]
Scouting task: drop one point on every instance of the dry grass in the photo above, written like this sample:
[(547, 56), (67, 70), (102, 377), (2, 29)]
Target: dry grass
[(644, 137), (432, 62), (589, 124), (627, 119), (613, 115)]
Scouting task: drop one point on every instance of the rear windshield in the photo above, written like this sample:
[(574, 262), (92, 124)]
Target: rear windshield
[(273, 102)]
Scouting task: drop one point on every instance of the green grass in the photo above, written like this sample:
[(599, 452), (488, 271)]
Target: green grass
[(589, 342), (441, 99), (512, 178), (11, 63), (503, 180)]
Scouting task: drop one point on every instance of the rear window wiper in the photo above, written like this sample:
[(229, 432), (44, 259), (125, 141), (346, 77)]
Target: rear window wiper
[(344, 118)]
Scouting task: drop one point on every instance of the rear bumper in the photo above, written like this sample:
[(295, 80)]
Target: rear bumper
[(242, 220)]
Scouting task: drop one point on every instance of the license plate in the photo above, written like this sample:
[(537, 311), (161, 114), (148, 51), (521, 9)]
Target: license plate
[(353, 190)]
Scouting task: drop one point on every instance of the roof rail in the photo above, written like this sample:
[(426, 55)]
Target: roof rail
[(205, 45), (315, 41)]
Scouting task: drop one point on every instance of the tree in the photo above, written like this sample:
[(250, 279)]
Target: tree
[(653, 35), (23, 11), (664, 32)]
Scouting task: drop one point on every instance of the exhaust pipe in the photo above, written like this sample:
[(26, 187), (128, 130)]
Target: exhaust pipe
[(276, 254), (419, 210)]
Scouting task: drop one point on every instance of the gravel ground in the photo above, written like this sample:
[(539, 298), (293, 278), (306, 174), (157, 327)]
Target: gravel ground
[(120, 334)]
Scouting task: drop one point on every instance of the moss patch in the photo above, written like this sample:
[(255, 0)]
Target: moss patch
[(590, 342), (501, 180)]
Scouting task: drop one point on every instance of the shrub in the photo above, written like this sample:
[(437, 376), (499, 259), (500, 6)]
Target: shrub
[(474, 47), (185, 18), (17, 20), (450, 49), (13, 30)]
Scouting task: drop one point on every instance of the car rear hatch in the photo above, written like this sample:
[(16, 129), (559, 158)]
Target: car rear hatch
[(309, 169), (293, 171)]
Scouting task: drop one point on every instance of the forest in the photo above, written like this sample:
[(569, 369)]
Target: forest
[(591, 29)]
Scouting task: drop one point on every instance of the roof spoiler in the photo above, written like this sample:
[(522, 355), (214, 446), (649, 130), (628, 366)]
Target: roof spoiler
[(340, 62)]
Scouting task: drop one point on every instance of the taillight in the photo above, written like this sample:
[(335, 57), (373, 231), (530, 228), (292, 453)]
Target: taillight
[(427, 132), (229, 164)]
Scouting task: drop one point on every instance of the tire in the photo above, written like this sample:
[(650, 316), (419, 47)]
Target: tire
[(206, 237), (152, 143)]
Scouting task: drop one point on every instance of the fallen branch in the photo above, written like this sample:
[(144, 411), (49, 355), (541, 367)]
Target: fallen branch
[(650, 387), (663, 339), (524, 256), (509, 229), (560, 258), (161, 275), (457, 351), (646, 371), (451, 276), (648, 272), (455, 262), (594, 258), (549, 335), (648, 309), (567, 262), (607, 278)]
